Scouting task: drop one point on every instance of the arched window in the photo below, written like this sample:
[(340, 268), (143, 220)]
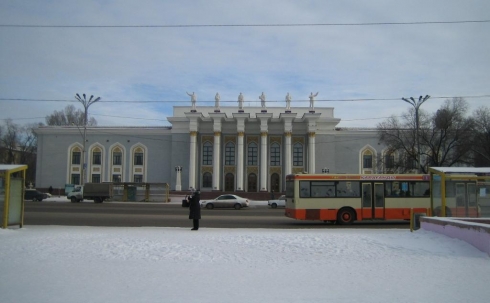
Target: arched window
[(138, 156), (139, 163), (75, 167), (76, 156), (230, 153), (298, 154), (207, 180), (252, 183), (275, 155), (117, 163), (229, 182), (368, 160), (252, 154), (389, 158), (207, 153), (96, 156)]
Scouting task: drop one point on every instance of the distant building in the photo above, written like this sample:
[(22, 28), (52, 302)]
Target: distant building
[(228, 149)]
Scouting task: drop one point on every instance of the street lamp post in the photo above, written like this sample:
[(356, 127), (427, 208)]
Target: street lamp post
[(416, 105), (86, 104)]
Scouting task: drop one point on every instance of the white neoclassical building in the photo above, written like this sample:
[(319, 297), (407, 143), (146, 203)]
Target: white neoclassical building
[(229, 149)]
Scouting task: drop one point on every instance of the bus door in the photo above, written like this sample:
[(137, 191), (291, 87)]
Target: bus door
[(373, 205), (466, 204)]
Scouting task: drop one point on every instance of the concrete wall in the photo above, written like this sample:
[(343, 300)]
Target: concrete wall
[(474, 231)]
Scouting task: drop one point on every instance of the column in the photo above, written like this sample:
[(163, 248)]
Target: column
[(287, 154), (216, 160), (288, 118), (311, 119), (311, 152), (192, 160), (263, 161), (239, 177), (240, 165)]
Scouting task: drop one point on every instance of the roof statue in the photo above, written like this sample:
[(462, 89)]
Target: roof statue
[(240, 101), (193, 100), (288, 101), (262, 100), (312, 100), (216, 100)]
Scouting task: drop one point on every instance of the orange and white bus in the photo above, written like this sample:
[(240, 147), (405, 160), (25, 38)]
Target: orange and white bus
[(345, 198)]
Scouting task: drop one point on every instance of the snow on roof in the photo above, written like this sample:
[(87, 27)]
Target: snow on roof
[(462, 170)]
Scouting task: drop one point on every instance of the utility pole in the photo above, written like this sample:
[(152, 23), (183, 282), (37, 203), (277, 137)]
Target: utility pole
[(86, 105), (416, 105)]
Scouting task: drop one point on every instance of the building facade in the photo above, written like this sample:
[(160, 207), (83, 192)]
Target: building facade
[(229, 149)]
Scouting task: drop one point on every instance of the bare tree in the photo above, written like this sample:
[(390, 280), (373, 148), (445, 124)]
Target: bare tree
[(448, 141), (19, 144), (26, 149), (481, 142), (70, 115), (399, 135), (445, 137), (9, 141)]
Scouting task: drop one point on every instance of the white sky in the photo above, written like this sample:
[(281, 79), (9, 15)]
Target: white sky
[(161, 64), (112, 264)]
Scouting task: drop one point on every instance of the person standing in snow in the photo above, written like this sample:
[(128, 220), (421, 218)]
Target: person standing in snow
[(195, 209)]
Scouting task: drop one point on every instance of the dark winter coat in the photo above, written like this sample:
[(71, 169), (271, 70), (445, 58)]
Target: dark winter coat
[(195, 206)]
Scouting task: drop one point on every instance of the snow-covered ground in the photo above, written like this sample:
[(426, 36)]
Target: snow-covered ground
[(108, 265)]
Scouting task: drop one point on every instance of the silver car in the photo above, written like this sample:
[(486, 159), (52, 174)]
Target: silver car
[(225, 201)]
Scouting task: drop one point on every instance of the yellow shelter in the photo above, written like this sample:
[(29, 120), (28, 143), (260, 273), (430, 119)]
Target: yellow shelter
[(460, 191), (12, 180)]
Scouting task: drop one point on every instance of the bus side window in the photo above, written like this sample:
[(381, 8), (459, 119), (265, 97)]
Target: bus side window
[(304, 191)]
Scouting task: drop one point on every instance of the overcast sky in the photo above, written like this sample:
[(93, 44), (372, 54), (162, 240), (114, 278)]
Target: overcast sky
[(130, 64)]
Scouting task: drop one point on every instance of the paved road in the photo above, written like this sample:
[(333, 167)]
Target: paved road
[(170, 215)]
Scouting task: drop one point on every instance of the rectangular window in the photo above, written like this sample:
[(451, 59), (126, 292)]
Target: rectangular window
[(322, 189), (316, 189), (75, 158), (95, 178), (304, 189), (367, 161), (138, 159), (230, 154), (275, 155), (116, 178), (298, 155), (116, 158), (348, 189), (75, 179), (252, 155), (407, 189), (138, 178), (96, 158), (207, 155)]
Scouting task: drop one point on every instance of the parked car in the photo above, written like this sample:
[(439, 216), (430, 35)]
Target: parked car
[(281, 202), (225, 201), (34, 195)]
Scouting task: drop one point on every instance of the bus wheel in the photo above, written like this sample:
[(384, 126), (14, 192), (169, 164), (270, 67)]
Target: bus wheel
[(345, 216)]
